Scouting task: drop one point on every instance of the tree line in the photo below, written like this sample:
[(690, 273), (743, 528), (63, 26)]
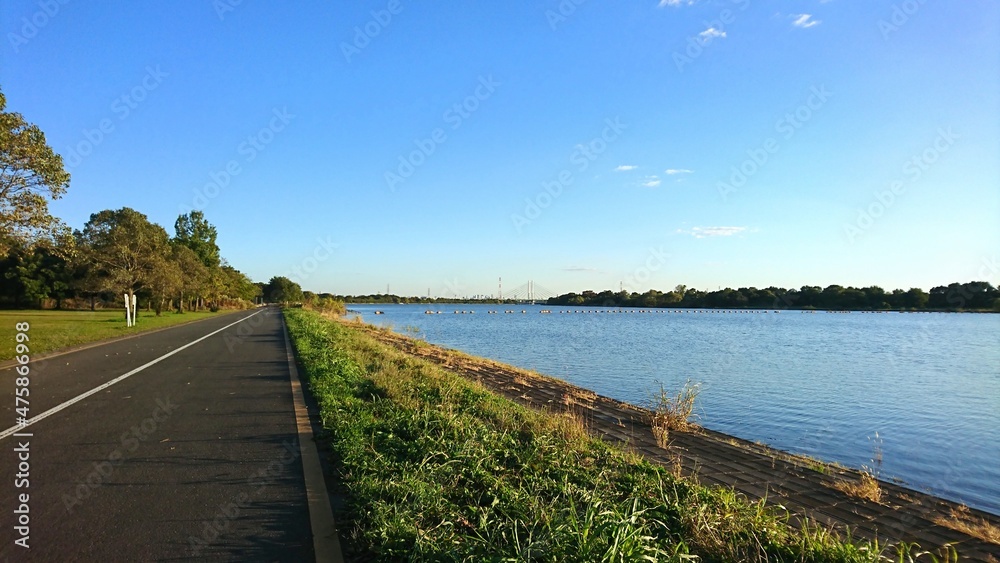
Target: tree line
[(118, 252), (280, 289), (122, 252), (972, 296)]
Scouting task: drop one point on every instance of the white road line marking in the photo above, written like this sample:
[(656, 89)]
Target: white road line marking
[(104, 386)]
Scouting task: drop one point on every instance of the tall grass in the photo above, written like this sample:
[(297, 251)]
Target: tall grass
[(866, 486), (672, 411), (436, 468)]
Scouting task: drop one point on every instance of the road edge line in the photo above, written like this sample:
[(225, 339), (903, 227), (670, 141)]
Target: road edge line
[(326, 540), (39, 417)]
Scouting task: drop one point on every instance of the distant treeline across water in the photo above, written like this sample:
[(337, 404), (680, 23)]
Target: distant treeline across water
[(972, 296)]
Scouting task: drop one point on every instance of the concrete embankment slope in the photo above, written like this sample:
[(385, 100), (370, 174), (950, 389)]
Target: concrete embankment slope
[(717, 459)]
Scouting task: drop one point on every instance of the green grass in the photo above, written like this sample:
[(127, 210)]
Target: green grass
[(435, 468), (53, 330)]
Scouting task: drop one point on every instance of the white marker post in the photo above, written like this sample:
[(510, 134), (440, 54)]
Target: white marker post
[(128, 312), (135, 314)]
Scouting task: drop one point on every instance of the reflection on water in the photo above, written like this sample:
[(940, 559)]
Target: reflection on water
[(818, 384)]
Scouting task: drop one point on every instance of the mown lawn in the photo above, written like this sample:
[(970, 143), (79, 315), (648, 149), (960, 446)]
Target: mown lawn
[(436, 468), (52, 330)]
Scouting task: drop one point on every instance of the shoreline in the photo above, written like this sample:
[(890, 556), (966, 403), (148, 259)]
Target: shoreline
[(806, 487)]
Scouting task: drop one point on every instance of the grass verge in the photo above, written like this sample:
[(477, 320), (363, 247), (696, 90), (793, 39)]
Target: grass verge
[(434, 467), (54, 330)]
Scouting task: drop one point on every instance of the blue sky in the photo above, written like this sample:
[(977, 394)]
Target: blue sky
[(580, 144)]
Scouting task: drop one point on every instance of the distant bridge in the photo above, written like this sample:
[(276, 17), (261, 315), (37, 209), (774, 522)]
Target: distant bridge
[(530, 292)]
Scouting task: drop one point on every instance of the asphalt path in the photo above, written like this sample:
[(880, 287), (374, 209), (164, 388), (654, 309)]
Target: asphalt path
[(196, 456)]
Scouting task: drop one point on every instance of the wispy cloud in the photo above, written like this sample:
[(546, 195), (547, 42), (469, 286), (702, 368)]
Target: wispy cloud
[(712, 33), (625, 168), (664, 3), (580, 269), (705, 232), (651, 182), (673, 171), (804, 21)]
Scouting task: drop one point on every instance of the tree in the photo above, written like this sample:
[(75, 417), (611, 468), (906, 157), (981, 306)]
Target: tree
[(87, 279), (852, 299), (330, 305), (125, 248), (194, 232), (226, 283), (283, 290), (195, 274), (692, 297), (30, 174), (238, 285), (979, 295), (810, 297), (673, 298), (915, 298), (165, 280), (36, 273), (831, 297), (310, 299), (652, 298), (876, 297)]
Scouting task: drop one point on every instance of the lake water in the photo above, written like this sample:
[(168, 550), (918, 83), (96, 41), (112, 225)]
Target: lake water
[(819, 384)]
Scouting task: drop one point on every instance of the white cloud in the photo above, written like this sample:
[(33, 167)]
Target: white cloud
[(712, 33), (625, 168), (651, 182), (675, 3), (705, 232), (804, 21), (672, 171)]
